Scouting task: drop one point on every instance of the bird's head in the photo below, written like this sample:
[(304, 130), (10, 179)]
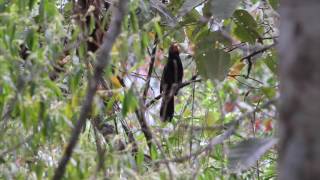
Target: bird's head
[(174, 50)]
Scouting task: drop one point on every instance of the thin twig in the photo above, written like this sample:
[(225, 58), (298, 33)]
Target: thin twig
[(244, 76), (259, 51), (192, 114), (243, 83), (205, 128)]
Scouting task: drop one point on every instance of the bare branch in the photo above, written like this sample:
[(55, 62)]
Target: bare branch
[(259, 51), (151, 65), (244, 76), (193, 80), (140, 113)]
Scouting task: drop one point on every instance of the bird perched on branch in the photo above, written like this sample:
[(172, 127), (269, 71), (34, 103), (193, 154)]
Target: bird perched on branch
[(171, 78)]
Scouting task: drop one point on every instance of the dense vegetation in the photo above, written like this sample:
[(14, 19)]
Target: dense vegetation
[(93, 68)]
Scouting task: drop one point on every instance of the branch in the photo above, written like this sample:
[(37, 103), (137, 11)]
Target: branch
[(186, 83), (151, 65), (102, 61), (244, 76), (259, 51), (144, 125), (204, 128)]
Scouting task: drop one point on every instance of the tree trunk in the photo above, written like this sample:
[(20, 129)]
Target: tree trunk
[(300, 90)]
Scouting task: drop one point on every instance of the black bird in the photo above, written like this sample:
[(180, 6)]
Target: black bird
[(171, 78)]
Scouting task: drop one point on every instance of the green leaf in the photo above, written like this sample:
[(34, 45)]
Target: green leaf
[(67, 9), (274, 4), (2, 99), (193, 31), (47, 11), (212, 63), (272, 62), (205, 39), (21, 5), (191, 17), (12, 31), (208, 173), (175, 5), (53, 87), (129, 103), (154, 153), (158, 29), (134, 21), (32, 39), (39, 168), (31, 3), (92, 24), (270, 92), (223, 9), (246, 27), (140, 158), (210, 120)]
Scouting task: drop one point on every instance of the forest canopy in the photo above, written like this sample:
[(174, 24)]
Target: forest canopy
[(82, 84)]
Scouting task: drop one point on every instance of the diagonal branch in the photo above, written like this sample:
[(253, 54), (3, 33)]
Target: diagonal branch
[(182, 85), (140, 113), (151, 65), (258, 51), (119, 12)]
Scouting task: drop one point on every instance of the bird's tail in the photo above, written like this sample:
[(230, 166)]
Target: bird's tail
[(167, 109)]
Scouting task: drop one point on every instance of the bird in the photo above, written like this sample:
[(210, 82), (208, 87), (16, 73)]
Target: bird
[(170, 80)]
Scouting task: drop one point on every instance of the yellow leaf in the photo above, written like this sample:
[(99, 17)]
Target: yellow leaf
[(236, 68), (152, 35), (210, 120), (115, 82), (187, 113)]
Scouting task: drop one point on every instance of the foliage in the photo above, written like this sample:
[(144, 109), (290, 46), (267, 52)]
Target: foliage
[(47, 56)]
